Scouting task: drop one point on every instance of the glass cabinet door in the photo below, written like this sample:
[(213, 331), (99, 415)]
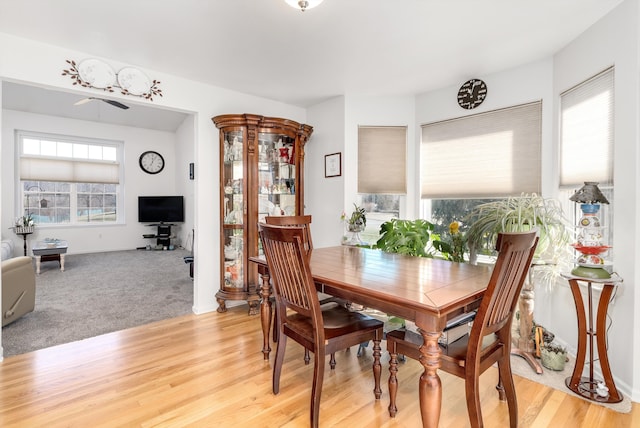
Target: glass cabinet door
[(233, 209), (276, 175)]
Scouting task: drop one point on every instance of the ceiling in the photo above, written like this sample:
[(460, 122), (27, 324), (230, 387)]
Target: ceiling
[(268, 49)]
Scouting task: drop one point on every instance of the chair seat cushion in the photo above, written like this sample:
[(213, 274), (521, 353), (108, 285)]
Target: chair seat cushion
[(337, 321)]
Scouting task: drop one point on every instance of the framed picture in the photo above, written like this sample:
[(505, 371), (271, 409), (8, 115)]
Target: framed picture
[(333, 165)]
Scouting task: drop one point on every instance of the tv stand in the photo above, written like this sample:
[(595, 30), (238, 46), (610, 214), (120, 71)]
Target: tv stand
[(163, 234)]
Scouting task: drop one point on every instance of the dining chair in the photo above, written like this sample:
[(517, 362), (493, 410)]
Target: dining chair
[(321, 329), (489, 340), (303, 221)]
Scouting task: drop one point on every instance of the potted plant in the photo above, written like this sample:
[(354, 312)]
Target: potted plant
[(24, 224), (357, 221), (553, 356), (410, 237), (521, 214)]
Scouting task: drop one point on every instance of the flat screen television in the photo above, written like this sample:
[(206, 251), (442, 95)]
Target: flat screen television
[(160, 209)]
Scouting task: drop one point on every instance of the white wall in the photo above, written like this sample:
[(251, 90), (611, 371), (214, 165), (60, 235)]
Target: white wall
[(614, 40), (25, 61), (88, 239), (324, 196), (184, 186)]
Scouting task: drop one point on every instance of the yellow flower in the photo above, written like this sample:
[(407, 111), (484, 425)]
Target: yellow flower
[(454, 227)]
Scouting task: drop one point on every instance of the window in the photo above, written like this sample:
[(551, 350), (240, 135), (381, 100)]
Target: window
[(586, 143), (67, 180), (475, 159), (382, 158)]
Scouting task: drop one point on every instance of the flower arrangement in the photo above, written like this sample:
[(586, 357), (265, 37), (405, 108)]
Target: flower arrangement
[(357, 221), (24, 224), (25, 221), (453, 247)]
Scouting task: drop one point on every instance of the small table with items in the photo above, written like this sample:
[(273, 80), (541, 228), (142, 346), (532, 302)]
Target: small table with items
[(50, 250), (603, 391)]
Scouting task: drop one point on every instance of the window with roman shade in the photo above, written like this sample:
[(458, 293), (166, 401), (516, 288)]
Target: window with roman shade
[(486, 155), (68, 180), (586, 132), (382, 160), (586, 144)]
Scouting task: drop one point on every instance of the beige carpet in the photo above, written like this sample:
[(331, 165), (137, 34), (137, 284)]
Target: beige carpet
[(555, 380)]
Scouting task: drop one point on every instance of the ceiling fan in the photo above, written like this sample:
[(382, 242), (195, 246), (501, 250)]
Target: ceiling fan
[(112, 102)]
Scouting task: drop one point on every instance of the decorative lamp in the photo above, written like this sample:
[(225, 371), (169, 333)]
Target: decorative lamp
[(303, 4), (590, 263)]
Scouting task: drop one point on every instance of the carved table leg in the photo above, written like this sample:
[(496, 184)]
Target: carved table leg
[(430, 386), (38, 261), (265, 313), (62, 262)]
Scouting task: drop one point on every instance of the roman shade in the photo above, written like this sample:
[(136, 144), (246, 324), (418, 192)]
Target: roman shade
[(586, 131), (67, 170), (486, 155), (382, 159)]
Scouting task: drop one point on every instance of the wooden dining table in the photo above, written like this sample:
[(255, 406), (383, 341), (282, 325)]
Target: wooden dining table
[(424, 290)]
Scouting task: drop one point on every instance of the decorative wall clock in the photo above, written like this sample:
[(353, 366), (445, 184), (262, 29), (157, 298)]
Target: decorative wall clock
[(472, 93), (151, 162)]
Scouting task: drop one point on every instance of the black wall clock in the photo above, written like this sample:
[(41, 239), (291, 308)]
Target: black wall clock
[(472, 93), (151, 162)]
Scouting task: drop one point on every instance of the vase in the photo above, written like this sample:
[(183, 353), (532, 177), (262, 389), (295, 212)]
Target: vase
[(553, 360)]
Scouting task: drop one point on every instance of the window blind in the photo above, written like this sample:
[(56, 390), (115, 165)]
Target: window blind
[(382, 159), (586, 131), (487, 155), (71, 171)]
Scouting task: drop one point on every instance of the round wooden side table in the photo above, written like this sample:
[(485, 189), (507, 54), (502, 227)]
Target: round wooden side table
[(604, 391)]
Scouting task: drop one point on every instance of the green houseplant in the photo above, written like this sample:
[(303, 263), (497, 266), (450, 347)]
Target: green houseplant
[(521, 214), (410, 237), (357, 221)]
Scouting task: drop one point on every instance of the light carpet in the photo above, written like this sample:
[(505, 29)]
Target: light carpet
[(555, 380), (100, 293)]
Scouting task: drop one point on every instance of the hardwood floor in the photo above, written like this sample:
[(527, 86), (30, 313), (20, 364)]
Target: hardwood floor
[(208, 371)]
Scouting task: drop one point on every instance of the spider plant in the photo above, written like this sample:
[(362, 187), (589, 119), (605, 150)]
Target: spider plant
[(519, 214)]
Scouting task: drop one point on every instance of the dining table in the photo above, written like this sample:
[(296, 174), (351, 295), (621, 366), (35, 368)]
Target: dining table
[(427, 291)]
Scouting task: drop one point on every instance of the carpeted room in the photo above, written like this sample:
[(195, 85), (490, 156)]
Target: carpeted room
[(100, 293)]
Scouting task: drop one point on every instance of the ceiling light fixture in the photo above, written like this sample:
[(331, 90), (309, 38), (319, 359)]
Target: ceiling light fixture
[(303, 4)]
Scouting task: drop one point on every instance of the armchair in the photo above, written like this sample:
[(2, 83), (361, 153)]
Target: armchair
[(18, 288)]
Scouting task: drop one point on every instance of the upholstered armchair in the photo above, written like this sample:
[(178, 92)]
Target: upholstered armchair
[(18, 288)]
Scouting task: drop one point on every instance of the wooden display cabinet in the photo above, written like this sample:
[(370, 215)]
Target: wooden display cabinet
[(261, 174)]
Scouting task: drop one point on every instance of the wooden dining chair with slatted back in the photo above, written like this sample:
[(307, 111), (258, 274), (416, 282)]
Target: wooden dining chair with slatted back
[(490, 338), (303, 221), (321, 330)]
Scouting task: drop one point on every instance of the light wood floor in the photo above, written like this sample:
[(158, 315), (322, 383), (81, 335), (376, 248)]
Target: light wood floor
[(208, 371)]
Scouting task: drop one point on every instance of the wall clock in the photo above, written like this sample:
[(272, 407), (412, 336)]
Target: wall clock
[(472, 93), (151, 162)]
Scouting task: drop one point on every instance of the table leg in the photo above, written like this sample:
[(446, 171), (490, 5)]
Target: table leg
[(38, 264), (62, 262), (265, 313), (430, 386)]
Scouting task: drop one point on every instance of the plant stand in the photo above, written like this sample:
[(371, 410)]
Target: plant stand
[(604, 391), (523, 345)]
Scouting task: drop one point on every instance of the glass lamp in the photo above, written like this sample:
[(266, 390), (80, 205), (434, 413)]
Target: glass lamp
[(590, 263), (303, 4)]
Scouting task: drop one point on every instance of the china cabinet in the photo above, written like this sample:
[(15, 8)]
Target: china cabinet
[(261, 174)]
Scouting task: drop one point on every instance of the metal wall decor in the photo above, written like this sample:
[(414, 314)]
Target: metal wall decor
[(97, 74)]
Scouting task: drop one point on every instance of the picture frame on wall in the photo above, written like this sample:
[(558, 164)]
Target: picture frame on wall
[(333, 165)]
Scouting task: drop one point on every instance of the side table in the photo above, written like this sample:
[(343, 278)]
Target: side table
[(588, 387), (50, 251)]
